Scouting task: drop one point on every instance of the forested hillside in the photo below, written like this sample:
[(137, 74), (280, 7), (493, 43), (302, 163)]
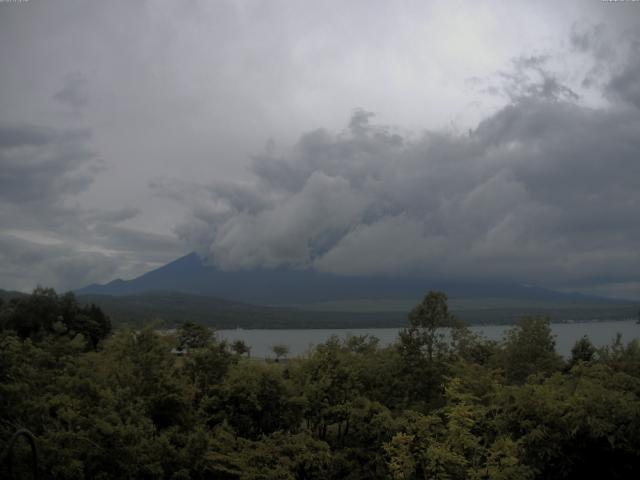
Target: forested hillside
[(170, 309), (118, 404)]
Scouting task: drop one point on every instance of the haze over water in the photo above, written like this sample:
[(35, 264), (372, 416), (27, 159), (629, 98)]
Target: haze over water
[(300, 341)]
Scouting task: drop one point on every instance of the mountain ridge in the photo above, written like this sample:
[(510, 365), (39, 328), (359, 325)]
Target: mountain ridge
[(190, 274)]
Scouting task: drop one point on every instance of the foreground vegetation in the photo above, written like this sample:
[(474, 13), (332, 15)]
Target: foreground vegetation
[(121, 405)]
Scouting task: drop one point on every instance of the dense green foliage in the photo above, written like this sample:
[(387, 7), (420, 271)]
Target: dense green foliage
[(434, 406), (45, 313)]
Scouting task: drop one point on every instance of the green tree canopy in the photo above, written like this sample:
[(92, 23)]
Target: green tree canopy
[(528, 348), (193, 335)]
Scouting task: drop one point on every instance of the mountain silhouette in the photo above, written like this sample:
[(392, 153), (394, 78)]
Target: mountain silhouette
[(192, 275)]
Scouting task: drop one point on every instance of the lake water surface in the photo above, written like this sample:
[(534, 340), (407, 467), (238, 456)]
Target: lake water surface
[(300, 341)]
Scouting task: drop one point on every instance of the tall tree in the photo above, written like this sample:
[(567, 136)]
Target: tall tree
[(529, 347), (426, 323), (423, 348), (193, 335)]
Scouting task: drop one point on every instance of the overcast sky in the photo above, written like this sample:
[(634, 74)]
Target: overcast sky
[(476, 140)]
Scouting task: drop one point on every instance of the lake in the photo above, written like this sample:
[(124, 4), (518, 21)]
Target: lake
[(300, 341)]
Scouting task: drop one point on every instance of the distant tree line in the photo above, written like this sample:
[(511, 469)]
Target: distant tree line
[(44, 313), (433, 405)]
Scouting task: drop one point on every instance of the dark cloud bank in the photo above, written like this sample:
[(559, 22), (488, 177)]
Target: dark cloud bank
[(58, 241), (545, 190)]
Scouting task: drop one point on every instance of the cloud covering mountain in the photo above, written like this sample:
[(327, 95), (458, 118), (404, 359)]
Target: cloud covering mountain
[(504, 145), (544, 190)]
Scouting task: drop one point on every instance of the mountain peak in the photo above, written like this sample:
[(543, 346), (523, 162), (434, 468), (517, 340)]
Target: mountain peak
[(190, 260)]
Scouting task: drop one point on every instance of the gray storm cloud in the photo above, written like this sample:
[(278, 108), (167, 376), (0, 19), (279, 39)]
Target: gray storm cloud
[(543, 190), (30, 263), (40, 164), (48, 237), (527, 169)]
